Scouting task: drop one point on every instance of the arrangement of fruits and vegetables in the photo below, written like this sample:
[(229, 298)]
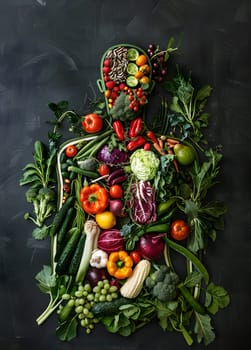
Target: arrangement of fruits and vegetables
[(124, 204)]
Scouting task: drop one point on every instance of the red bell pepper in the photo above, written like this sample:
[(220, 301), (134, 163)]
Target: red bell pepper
[(135, 127), (138, 141), (119, 129)]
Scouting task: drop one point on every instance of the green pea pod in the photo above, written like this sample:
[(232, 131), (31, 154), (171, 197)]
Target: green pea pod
[(185, 252), (164, 207), (191, 300)]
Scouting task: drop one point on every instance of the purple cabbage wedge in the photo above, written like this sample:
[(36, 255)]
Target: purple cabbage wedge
[(113, 157)]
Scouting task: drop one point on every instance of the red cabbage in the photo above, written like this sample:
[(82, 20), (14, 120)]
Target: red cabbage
[(143, 203), (110, 240), (112, 157)]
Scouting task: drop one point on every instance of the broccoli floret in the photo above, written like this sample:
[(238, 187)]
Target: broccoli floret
[(47, 194), (31, 194), (161, 273), (164, 291), (43, 203), (156, 276), (121, 108), (163, 283)]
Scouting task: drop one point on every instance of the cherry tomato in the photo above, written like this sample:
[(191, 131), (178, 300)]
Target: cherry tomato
[(116, 191), (92, 123), (103, 169), (135, 257), (179, 230), (71, 151)]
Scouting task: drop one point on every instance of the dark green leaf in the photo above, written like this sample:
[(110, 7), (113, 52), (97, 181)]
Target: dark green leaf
[(203, 329), (46, 279), (193, 279), (203, 93), (216, 297), (41, 232), (67, 330)]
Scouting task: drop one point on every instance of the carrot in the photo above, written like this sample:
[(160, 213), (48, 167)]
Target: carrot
[(171, 142), (161, 143), (158, 148)]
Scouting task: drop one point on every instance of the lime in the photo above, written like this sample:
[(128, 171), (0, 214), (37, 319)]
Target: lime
[(131, 81), (132, 54), (132, 68), (185, 155)]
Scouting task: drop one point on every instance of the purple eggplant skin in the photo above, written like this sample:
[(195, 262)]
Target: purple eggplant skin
[(115, 174), (118, 180)]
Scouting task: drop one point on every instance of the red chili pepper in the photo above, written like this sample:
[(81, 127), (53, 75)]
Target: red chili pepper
[(151, 136), (135, 143), (119, 129), (135, 127)]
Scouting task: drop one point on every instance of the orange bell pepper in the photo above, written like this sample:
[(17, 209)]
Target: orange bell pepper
[(119, 264), (94, 198)]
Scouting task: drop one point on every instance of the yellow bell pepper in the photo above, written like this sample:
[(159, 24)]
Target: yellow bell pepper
[(119, 264)]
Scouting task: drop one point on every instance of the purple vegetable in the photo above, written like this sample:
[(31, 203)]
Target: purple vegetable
[(110, 240), (116, 207), (94, 275), (143, 203), (151, 246), (112, 157)]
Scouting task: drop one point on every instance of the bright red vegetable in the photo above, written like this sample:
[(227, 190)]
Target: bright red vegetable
[(92, 123), (135, 127), (116, 191), (119, 129), (179, 230), (71, 151), (151, 136), (135, 257), (138, 141), (103, 169)]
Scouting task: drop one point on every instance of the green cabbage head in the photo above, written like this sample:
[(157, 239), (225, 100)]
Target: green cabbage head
[(144, 164)]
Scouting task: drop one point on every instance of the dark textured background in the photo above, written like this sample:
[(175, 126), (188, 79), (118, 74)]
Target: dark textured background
[(51, 50)]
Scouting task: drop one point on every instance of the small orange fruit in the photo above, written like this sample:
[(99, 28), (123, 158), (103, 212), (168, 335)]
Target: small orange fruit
[(144, 80), (141, 59), (139, 74), (145, 68)]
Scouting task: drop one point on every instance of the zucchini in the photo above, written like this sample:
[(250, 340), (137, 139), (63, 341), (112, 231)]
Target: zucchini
[(59, 217), (107, 308), (65, 225), (75, 260), (68, 251)]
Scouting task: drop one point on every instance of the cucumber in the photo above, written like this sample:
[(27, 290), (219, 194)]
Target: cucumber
[(75, 261), (84, 172), (65, 225), (107, 308), (59, 217), (67, 253)]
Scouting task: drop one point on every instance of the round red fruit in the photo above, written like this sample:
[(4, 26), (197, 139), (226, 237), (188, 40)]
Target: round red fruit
[(92, 123)]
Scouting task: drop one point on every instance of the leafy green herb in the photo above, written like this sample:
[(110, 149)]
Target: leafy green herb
[(189, 103), (67, 330), (39, 176), (204, 329), (53, 285), (216, 297)]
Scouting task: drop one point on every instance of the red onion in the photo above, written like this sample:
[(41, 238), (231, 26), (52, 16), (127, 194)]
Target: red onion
[(151, 246), (94, 275), (116, 207)]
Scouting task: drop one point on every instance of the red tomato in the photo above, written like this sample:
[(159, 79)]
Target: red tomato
[(71, 151), (116, 191), (179, 230), (103, 169), (135, 257), (92, 123)]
